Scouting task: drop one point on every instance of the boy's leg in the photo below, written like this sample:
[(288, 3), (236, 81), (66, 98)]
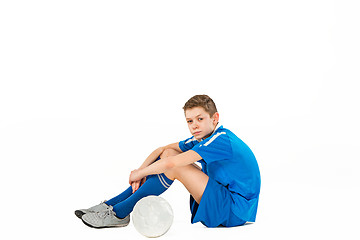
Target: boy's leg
[(128, 192), (118, 215), (121, 197), (103, 206), (190, 176), (154, 185)]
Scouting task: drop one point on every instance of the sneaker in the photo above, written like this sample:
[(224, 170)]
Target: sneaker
[(97, 208), (105, 219)]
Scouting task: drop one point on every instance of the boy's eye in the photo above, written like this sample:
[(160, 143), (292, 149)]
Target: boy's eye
[(200, 119), (189, 121)]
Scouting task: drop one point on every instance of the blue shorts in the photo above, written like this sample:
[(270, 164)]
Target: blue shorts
[(214, 209)]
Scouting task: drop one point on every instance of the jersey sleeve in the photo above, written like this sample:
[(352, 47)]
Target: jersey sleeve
[(216, 148), (187, 144)]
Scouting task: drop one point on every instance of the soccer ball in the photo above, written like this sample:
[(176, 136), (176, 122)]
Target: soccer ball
[(152, 216)]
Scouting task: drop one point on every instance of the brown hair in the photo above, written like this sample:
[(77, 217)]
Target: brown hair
[(203, 101)]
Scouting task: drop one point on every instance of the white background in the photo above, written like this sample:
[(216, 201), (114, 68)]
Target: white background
[(89, 88)]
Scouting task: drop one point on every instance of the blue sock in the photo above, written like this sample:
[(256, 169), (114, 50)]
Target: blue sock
[(121, 197), (124, 195), (154, 185)]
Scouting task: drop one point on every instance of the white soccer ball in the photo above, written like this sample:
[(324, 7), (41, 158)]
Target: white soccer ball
[(152, 216)]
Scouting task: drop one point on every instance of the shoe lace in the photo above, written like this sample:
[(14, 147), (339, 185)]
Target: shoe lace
[(106, 213)]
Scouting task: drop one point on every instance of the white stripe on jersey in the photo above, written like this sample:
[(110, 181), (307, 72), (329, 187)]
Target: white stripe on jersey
[(213, 138), (190, 140)]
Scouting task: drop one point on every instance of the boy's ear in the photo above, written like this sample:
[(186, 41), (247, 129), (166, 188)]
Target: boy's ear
[(216, 117)]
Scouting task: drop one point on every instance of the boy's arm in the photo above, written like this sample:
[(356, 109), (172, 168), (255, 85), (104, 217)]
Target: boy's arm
[(149, 161), (165, 164), (157, 152)]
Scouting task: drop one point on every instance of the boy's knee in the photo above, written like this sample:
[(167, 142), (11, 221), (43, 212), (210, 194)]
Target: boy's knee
[(180, 172), (173, 173)]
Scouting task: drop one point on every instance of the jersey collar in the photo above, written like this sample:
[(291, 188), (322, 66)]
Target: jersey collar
[(216, 128)]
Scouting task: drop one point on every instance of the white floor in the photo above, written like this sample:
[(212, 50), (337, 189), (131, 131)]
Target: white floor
[(296, 210)]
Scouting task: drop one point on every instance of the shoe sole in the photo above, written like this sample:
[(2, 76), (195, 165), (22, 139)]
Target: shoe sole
[(87, 224)]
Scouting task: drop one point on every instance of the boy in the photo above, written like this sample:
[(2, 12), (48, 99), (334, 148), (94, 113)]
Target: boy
[(224, 192)]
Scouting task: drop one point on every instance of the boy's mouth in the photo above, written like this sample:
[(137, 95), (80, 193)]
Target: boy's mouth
[(197, 133)]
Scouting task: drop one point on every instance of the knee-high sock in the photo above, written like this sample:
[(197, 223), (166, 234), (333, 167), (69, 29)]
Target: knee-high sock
[(119, 198), (154, 185)]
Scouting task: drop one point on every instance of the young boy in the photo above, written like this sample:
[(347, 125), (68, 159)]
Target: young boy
[(224, 192)]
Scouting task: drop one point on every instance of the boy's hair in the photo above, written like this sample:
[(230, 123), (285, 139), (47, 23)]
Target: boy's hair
[(203, 101)]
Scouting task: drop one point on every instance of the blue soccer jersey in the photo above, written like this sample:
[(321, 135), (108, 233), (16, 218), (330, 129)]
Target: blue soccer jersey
[(229, 161)]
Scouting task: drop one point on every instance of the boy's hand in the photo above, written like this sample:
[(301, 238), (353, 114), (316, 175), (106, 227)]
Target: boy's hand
[(135, 180), (136, 185)]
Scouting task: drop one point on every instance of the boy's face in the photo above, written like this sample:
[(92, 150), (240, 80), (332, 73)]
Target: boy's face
[(200, 123)]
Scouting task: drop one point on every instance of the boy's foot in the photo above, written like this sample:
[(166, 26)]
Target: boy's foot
[(97, 208), (105, 219)]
